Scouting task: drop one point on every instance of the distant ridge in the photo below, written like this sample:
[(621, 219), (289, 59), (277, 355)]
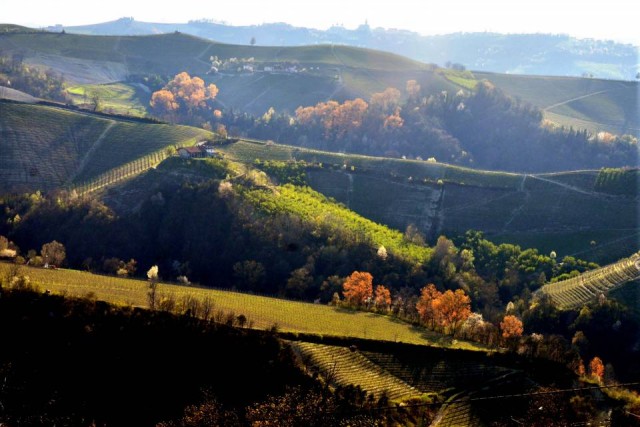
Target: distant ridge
[(538, 54)]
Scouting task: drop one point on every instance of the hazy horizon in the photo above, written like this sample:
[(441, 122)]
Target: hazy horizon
[(596, 20)]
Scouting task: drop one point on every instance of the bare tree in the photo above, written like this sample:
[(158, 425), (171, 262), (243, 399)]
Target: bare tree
[(152, 274)]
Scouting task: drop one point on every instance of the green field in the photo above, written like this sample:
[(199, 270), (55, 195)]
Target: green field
[(166, 52), (464, 79), (262, 312), (117, 98), (610, 244)]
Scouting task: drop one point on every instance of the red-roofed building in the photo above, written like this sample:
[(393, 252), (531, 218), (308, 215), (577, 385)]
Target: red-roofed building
[(191, 152)]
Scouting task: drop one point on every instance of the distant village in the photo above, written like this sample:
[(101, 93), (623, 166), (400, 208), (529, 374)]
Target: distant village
[(248, 65)]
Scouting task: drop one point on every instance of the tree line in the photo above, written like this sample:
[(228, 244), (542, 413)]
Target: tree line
[(14, 73), (483, 128)]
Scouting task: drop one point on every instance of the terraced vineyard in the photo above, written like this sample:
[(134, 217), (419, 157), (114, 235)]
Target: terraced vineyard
[(561, 212), (456, 414), (120, 173), (456, 378), (43, 146), (347, 367), (46, 147), (436, 374), (578, 291), (128, 141)]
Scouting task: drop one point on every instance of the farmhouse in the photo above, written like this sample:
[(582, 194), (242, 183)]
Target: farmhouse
[(191, 152), (200, 150)]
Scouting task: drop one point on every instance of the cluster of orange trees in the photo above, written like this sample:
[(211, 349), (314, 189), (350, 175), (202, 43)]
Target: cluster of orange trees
[(184, 97), (358, 292), (596, 369), (444, 311), (339, 120)]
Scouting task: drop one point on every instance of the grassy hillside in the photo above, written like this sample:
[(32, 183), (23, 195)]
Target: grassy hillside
[(563, 212), (313, 208), (46, 147), (118, 98), (578, 291), (261, 312), (15, 95), (339, 72), (331, 71), (541, 54), (175, 52), (593, 104)]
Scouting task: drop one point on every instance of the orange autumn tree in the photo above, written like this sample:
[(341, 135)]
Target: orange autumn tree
[(385, 102), (336, 119), (596, 367), (164, 103), (451, 309), (511, 327), (425, 304), (394, 120), (191, 91), (189, 94), (358, 288), (382, 298), (413, 89)]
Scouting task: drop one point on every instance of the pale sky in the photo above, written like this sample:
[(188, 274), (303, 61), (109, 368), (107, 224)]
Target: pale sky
[(600, 19)]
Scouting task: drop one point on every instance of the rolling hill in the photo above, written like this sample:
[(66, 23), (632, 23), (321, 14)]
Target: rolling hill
[(542, 54), (47, 147), (562, 212), (345, 347), (261, 312), (591, 213), (581, 103), (330, 72)]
